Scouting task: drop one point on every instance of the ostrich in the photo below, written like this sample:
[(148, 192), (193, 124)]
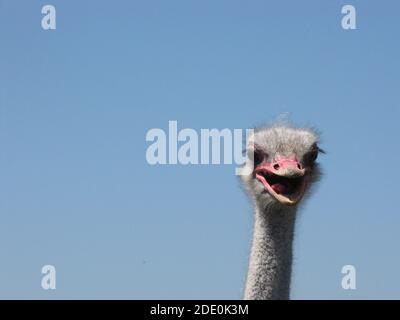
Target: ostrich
[(282, 167)]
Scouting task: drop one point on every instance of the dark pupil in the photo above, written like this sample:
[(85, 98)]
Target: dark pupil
[(312, 156), (257, 157)]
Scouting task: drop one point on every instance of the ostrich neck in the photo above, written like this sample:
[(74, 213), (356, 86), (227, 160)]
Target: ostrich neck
[(271, 254)]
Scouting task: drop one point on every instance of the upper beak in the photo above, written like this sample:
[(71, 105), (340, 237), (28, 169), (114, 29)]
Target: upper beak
[(283, 167)]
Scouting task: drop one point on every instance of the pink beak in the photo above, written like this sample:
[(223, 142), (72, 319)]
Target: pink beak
[(268, 174), (282, 167)]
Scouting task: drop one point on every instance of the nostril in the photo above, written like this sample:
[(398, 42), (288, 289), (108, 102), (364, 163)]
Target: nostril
[(276, 166), (299, 165)]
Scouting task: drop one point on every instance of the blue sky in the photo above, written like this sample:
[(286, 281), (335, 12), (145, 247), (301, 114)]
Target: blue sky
[(75, 106)]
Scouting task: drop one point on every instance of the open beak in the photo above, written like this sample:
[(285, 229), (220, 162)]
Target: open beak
[(284, 179)]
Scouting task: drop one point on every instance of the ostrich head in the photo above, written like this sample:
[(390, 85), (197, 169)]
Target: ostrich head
[(281, 161)]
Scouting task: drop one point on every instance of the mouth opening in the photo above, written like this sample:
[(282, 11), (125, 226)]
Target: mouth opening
[(283, 185), (286, 189)]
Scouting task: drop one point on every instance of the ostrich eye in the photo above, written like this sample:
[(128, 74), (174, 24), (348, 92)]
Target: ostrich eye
[(258, 157), (312, 155)]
